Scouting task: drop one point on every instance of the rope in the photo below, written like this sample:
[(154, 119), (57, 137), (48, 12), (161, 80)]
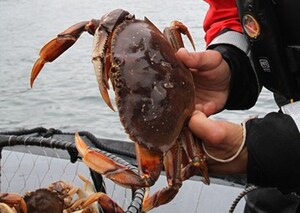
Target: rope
[(137, 201), (13, 140), (25, 131), (50, 132), (240, 196)]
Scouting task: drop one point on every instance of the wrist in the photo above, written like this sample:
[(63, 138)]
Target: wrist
[(230, 146), (234, 148)]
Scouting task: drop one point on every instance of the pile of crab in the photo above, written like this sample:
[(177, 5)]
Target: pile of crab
[(59, 197)]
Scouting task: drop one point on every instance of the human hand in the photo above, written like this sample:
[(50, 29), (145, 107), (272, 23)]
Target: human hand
[(211, 75), (222, 140)]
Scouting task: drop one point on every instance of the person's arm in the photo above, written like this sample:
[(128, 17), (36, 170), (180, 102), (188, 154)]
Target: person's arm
[(224, 34), (244, 84), (273, 144), (270, 155), (223, 75)]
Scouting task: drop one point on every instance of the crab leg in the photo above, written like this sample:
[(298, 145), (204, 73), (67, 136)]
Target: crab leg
[(106, 203), (195, 156), (83, 194), (55, 47), (172, 163), (117, 172), (13, 199), (173, 34)]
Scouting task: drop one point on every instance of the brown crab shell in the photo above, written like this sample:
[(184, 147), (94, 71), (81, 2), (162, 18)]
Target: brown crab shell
[(154, 90), (43, 201)]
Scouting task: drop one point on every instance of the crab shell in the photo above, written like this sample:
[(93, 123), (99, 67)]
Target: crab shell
[(43, 200), (154, 91)]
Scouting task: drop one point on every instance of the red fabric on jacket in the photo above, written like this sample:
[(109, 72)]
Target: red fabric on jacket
[(222, 14)]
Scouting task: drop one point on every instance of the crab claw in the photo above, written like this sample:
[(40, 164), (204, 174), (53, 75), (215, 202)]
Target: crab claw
[(101, 51), (57, 46), (101, 65), (52, 50)]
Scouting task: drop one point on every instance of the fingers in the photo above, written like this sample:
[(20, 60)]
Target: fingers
[(208, 108), (200, 60), (212, 132)]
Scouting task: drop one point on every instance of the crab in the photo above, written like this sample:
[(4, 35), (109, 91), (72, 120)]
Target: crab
[(154, 94), (58, 197)]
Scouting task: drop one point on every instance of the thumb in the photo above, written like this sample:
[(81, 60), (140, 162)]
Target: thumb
[(212, 132)]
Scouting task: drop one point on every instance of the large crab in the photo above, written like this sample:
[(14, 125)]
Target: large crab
[(154, 96)]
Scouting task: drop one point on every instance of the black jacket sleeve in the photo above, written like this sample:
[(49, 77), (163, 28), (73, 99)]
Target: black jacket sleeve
[(273, 144), (244, 84)]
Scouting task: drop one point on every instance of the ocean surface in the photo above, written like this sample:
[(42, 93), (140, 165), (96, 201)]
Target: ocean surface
[(65, 95)]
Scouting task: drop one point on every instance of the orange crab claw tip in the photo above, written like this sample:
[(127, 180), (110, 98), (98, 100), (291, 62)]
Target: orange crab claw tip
[(81, 146), (112, 108), (110, 105), (37, 67), (106, 98)]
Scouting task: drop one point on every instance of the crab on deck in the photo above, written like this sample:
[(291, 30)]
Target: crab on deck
[(154, 94)]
